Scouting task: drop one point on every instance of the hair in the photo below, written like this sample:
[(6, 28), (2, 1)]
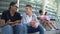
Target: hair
[(45, 13), (40, 11), (11, 4), (28, 6)]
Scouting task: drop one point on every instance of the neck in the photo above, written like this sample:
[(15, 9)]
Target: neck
[(29, 14), (41, 14), (12, 12), (46, 15)]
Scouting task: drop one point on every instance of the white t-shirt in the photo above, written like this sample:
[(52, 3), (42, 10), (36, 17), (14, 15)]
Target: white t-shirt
[(29, 18)]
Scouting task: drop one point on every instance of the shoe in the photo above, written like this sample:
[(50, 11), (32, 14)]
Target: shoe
[(57, 29), (44, 29), (53, 29)]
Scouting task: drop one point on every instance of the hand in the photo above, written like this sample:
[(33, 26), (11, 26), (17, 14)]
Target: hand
[(11, 23), (8, 22), (34, 24), (15, 23), (2, 23)]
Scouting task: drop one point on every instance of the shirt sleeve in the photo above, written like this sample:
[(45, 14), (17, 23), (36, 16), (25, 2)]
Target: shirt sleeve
[(3, 15), (19, 17), (23, 21)]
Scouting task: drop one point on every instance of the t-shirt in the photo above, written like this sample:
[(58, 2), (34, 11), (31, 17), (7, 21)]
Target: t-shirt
[(41, 17), (29, 19), (47, 17), (6, 16)]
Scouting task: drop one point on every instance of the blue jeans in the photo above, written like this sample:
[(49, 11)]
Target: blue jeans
[(29, 29), (12, 30)]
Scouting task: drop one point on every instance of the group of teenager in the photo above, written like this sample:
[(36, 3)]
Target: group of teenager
[(13, 23)]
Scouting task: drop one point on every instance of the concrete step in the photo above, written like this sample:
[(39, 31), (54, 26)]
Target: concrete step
[(49, 32), (46, 32)]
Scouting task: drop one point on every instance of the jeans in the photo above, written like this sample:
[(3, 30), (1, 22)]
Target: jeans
[(21, 29), (12, 30), (29, 29)]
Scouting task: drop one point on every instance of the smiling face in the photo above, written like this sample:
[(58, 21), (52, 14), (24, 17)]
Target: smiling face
[(14, 7), (28, 10)]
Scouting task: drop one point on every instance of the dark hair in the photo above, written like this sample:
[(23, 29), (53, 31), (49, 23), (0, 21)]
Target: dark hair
[(40, 11), (45, 13), (28, 6), (11, 4)]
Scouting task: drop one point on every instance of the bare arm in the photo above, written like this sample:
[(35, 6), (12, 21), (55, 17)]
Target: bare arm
[(2, 22)]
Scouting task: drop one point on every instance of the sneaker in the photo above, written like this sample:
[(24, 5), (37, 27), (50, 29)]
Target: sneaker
[(57, 29), (53, 29), (44, 29)]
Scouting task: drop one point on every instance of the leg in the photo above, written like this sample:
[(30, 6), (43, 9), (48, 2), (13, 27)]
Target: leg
[(40, 29), (7, 30), (20, 29), (53, 25), (44, 23), (48, 24), (33, 30)]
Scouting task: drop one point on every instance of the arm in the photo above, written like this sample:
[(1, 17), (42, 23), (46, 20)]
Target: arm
[(36, 19), (34, 23), (13, 23), (2, 20), (23, 21), (18, 19)]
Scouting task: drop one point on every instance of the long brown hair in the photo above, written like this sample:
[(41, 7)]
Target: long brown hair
[(46, 13)]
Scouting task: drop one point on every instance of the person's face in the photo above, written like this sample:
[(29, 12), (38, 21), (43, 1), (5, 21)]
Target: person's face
[(46, 13), (28, 10), (41, 13), (14, 7)]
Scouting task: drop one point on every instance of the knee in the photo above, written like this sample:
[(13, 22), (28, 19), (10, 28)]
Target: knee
[(41, 27), (7, 27), (21, 26)]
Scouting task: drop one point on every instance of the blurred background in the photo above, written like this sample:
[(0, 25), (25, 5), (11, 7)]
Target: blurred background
[(51, 6)]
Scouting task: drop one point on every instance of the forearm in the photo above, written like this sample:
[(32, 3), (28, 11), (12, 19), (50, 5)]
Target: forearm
[(10, 23), (2, 22), (17, 21)]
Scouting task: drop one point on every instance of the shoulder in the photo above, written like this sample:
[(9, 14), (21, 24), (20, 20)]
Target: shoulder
[(5, 12), (24, 15), (17, 13), (34, 15)]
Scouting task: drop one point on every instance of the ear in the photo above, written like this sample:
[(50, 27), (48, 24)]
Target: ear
[(11, 6)]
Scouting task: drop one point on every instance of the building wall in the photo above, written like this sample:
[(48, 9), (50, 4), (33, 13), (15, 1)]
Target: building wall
[(36, 5), (50, 7), (4, 5)]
